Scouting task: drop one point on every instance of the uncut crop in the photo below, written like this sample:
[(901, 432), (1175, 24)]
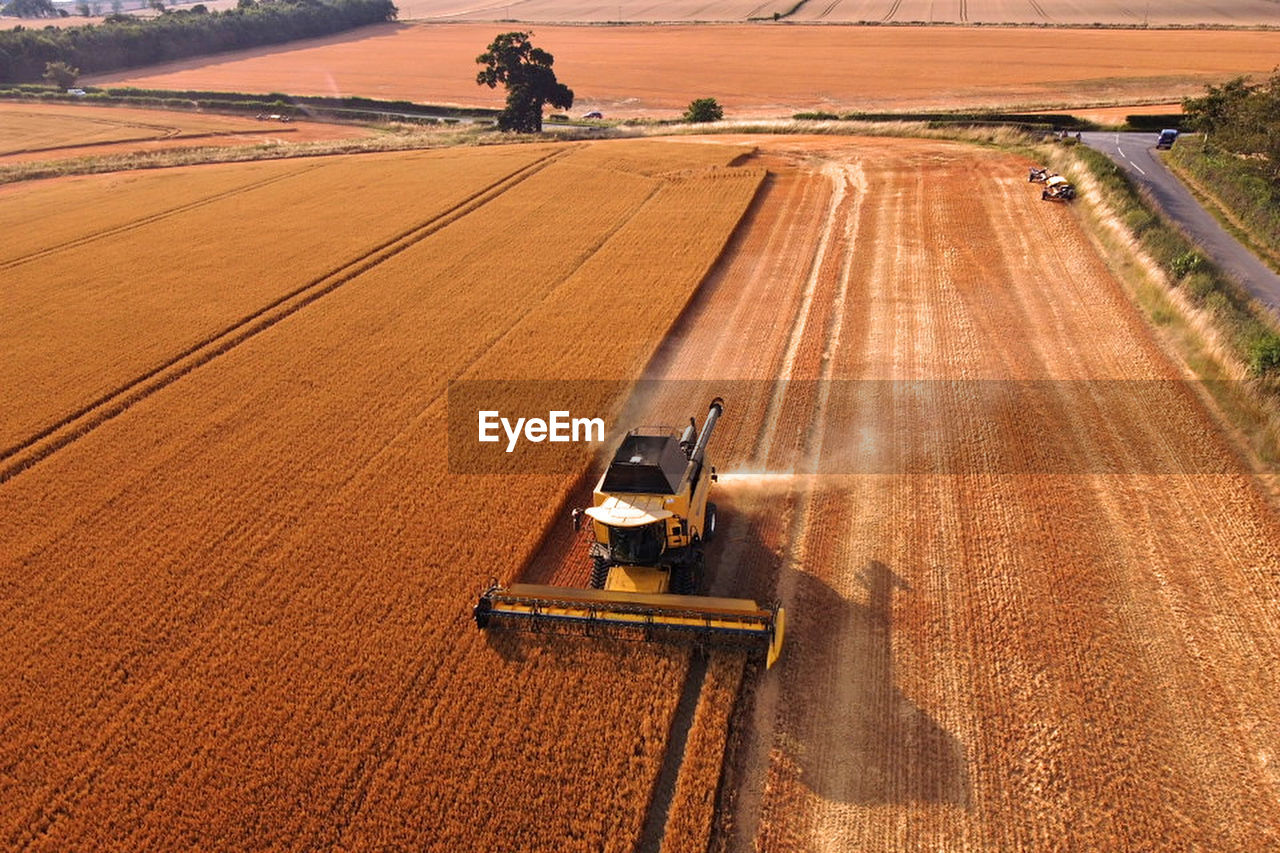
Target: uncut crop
[(93, 303), (689, 820), (33, 130), (240, 609), (48, 127)]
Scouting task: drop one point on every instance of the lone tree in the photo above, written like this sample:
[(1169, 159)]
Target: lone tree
[(526, 72), (704, 109)]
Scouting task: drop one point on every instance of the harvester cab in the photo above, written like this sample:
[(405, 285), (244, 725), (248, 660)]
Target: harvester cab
[(651, 517), (649, 523)]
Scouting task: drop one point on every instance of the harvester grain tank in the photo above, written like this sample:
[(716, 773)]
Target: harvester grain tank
[(649, 522)]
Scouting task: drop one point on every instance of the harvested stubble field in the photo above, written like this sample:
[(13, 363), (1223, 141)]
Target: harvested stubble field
[(238, 609), (1070, 12), (1065, 639), (757, 70), (1044, 626), (32, 131)]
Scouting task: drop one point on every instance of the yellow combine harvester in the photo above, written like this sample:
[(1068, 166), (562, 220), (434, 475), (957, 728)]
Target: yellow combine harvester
[(650, 523)]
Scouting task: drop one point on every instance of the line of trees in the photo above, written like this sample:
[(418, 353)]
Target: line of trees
[(125, 42), (1243, 119), (30, 9)]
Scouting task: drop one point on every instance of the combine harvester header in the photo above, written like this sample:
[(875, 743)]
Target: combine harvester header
[(650, 522)]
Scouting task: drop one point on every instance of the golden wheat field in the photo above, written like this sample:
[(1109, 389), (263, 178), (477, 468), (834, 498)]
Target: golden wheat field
[(181, 263), (48, 130), (239, 586)]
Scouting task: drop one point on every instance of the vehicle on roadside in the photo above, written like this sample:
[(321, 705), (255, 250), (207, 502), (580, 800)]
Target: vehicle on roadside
[(1057, 188), (594, 114), (1166, 139)]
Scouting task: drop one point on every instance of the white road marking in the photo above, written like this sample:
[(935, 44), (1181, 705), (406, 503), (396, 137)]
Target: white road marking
[(1120, 151)]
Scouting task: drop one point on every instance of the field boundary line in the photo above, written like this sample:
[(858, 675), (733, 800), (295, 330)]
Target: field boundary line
[(127, 139), (658, 361), (56, 436), (150, 218), (171, 133)]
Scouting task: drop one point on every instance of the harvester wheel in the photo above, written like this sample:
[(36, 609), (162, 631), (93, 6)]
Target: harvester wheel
[(599, 572), (681, 580), (709, 523)]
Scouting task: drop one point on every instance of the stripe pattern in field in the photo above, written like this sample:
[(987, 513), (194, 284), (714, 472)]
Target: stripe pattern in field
[(215, 256), (985, 660), (1064, 641), (238, 609)]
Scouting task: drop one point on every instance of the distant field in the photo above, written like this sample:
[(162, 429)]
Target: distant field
[(1176, 13), (46, 131), (1117, 115), (1063, 12), (37, 127), (753, 70)]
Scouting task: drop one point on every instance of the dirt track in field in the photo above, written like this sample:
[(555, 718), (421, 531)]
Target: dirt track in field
[(1015, 622)]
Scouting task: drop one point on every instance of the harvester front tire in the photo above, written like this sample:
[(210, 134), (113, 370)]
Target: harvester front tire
[(681, 580), (599, 572)]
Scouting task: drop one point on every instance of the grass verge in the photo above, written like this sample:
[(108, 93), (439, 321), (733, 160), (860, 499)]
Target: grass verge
[(1225, 338), (1245, 203)]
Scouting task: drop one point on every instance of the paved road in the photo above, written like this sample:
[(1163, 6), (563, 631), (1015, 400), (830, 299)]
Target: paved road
[(1136, 154)]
